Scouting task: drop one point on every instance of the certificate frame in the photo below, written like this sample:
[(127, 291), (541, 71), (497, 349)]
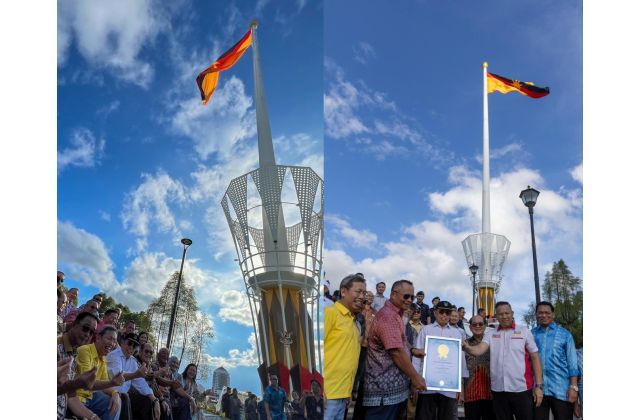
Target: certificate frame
[(442, 367)]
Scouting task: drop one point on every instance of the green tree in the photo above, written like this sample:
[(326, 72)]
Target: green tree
[(564, 291), (159, 312)]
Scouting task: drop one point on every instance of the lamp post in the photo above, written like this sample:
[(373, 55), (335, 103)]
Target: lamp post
[(185, 243), (529, 197), (474, 270)]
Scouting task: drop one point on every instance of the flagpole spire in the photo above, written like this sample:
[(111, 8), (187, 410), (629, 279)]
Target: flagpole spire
[(486, 216), (265, 144)]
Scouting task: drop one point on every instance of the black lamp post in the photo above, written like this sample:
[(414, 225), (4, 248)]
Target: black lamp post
[(529, 197), (474, 270), (185, 243)]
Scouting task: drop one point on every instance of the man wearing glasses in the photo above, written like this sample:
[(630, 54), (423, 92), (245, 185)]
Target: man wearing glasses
[(513, 355), (477, 388), (121, 360), (78, 335), (389, 374), (342, 345), (441, 405)]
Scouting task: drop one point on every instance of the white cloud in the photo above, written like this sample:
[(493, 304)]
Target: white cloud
[(357, 238), (505, 150), (236, 357), (430, 253), (363, 52), (83, 255), (371, 122), (576, 173), (104, 215), (147, 205), (218, 127), (109, 35), (85, 150)]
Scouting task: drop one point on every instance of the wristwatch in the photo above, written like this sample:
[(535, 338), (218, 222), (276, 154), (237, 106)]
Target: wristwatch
[(539, 386), (574, 387)]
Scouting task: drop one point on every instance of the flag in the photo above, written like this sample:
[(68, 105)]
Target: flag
[(208, 79), (501, 84)]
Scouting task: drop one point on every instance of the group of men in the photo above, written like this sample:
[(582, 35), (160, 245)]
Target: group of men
[(106, 373), (505, 372)]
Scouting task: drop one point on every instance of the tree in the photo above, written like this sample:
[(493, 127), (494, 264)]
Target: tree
[(160, 312), (564, 291)]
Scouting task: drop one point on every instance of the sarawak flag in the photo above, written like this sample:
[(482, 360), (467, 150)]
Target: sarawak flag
[(208, 79), (501, 84)]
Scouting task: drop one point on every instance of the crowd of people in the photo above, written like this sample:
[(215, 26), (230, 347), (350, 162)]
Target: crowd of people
[(374, 349), (107, 370)]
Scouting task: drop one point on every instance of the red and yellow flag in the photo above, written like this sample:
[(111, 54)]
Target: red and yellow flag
[(208, 79), (501, 84)]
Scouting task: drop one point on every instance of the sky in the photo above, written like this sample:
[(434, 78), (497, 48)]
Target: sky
[(403, 140), (141, 163), (31, 137)]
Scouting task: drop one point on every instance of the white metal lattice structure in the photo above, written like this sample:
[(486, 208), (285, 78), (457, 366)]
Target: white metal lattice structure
[(275, 214), (488, 251)]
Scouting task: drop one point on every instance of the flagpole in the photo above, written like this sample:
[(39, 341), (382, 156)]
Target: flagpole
[(486, 217)]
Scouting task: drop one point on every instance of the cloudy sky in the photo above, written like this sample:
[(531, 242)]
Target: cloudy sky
[(403, 140), (142, 164)]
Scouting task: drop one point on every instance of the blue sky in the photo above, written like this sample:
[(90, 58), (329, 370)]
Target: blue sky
[(141, 163), (403, 139)]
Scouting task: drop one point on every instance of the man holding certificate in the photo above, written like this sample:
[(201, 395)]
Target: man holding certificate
[(513, 353), (438, 357)]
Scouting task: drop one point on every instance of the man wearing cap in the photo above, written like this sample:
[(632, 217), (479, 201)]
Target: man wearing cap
[(121, 360), (440, 405), (379, 299), (342, 345), (513, 353), (389, 375), (559, 365), (425, 313)]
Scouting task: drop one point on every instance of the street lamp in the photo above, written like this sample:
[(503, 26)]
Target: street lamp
[(529, 197), (474, 270), (185, 243)]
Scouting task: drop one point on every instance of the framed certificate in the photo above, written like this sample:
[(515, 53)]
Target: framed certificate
[(442, 364)]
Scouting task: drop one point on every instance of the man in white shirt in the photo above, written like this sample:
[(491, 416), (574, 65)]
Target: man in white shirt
[(121, 360), (379, 299)]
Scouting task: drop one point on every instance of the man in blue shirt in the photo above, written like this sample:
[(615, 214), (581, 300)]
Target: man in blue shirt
[(274, 399), (559, 365)]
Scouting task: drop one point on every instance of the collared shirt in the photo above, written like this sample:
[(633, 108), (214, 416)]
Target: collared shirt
[(378, 302), (87, 359), (579, 354), (510, 365), (341, 351), (438, 331), (384, 382), (65, 351), (275, 398), (478, 386), (558, 358), (117, 362), (368, 314)]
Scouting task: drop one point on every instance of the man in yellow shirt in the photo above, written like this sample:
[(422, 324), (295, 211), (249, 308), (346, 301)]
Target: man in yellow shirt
[(342, 345), (105, 404)]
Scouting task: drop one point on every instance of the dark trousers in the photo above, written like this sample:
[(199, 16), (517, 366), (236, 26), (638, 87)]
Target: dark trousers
[(509, 404), (182, 411), (141, 406), (358, 410), (436, 407), (479, 410), (562, 410), (384, 412)]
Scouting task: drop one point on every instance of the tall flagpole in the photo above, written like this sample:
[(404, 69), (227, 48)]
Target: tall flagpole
[(486, 217)]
